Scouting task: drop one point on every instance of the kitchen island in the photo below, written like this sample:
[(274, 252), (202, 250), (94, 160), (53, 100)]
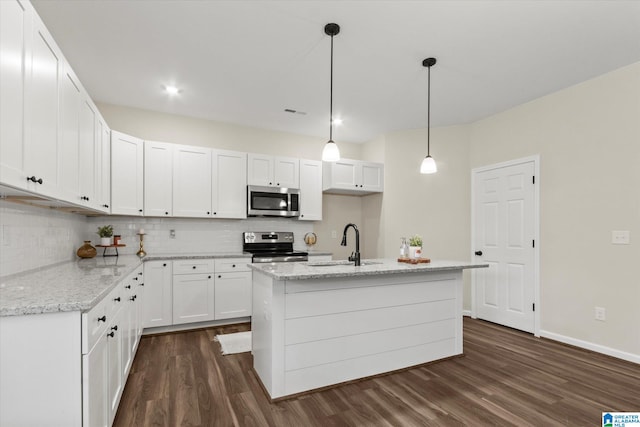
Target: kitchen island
[(320, 324)]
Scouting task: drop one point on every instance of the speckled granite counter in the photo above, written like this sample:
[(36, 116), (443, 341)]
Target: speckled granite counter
[(76, 285), (322, 270)]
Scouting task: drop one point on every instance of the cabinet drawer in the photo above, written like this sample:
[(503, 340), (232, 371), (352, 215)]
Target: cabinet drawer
[(194, 266), (228, 265), (95, 321)]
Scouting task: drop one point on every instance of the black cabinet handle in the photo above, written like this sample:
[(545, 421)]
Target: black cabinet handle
[(360, 185), (34, 179), (356, 185), (164, 265), (209, 277), (271, 183), (135, 278), (133, 298), (208, 213), (278, 184), (215, 213), (139, 210), (105, 206), (127, 287), (117, 299), (166, 213), (194, 267), (139, 273), (141, 284), (478, 253), (114, 328), (111, 334), (102, 319), (219, 276), (234, 266)]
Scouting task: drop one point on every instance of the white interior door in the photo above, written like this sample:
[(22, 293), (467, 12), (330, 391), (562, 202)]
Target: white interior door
[(505, 218)]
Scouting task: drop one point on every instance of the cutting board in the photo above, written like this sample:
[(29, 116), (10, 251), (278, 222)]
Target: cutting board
[(414, 260)]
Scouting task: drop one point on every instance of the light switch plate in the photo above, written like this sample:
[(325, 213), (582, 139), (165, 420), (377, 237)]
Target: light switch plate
[(620, 237)]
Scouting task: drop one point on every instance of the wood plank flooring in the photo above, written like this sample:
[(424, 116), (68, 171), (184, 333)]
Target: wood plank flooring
[(505, 378)]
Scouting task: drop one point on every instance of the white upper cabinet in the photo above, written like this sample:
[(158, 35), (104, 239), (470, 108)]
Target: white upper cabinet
[(191, 181), (103, 166), (353, 177), (273, 171), (68, 159), (15, 29), (42, 131), (126, 174), (310, 190), (87, 153), (158, 178), (229, 186), (31, 70)]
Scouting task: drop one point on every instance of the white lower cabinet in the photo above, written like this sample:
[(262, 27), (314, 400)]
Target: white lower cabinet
[(158, 291), (232, 288), (115, 382), (94, 383), (193, 294)]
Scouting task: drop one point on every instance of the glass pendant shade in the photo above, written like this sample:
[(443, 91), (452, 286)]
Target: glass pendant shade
[(428, 165), (330, 153)]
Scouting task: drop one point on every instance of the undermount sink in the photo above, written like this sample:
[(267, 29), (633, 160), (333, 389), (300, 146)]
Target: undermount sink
[(340, 262)]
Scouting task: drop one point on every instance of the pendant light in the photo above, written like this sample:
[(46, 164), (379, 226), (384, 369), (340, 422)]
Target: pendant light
[(428, 164), (331, 153)]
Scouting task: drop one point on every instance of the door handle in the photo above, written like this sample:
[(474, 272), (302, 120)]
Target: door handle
[(478, 253)]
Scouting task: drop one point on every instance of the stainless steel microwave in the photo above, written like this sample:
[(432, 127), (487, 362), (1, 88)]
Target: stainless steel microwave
[(273, 201)]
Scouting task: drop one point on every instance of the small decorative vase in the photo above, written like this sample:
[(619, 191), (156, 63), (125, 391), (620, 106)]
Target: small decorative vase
[(86, 250), (105, 241), (415, 252)]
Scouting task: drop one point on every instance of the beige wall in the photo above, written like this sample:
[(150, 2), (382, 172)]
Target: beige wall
[(588, 138)]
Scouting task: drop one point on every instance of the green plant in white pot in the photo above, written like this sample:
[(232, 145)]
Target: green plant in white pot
[(105, 232), (415, 246)]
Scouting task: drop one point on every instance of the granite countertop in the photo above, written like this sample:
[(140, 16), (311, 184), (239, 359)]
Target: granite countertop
[(369, 267), (69, 286), (76, 285)]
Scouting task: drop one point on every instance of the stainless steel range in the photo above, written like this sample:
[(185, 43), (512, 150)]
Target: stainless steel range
[(270, 246)]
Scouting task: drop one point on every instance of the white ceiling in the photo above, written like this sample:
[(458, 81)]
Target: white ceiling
[(246, 61)]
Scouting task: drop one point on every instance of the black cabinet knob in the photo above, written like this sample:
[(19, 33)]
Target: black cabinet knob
[(234, 266), (194, 267), (105, 206), (114, 328), (34, 179), (133, 298), (478, 253), (215, 213), (219, 276), (127, 287), (141, 284), (209, 277), (208, 213), (135, 278), (117, 299), (111, 334), (102, 319), (166, 213), (164, 265)]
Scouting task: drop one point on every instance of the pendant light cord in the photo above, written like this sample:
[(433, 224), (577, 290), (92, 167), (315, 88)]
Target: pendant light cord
[(428, 109), (331, 95)]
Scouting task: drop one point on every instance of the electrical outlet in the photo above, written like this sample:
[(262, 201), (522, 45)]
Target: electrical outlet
[(172, 234), (620, 237), (334, 234), (601, 314)]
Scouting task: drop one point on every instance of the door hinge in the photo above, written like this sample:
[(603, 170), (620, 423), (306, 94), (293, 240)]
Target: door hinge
[(534, 306), (533, 179)]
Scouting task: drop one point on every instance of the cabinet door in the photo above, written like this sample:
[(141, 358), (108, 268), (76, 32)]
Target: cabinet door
[(158, 178), (310, 190), (94, 385), (193, 298), (114, 366), (87, 153), (191, 181), (103, 166), (286, 172), (229, 174), (158, 299), (341, 174), (15, 29), (42, 133), (233, 295), (126, 174), (372, 177), (68, 159), (259, 170)]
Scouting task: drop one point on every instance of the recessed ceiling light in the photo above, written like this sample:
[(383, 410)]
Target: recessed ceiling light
[(172, 90)]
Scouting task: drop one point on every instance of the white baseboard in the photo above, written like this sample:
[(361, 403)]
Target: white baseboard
[(591, 346)]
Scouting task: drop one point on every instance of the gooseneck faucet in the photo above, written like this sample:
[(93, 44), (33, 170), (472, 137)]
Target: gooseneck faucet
[(355, 256)]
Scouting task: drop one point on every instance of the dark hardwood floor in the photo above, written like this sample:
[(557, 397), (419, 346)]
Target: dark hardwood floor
[(505, 378)]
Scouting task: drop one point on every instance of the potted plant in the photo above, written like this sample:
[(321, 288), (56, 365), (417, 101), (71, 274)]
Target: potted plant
[(415, 247), (105, 233)]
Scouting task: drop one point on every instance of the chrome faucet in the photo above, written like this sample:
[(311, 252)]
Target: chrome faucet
[(355, 256)]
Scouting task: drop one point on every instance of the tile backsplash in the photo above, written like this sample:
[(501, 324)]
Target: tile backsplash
[(32, 237)]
